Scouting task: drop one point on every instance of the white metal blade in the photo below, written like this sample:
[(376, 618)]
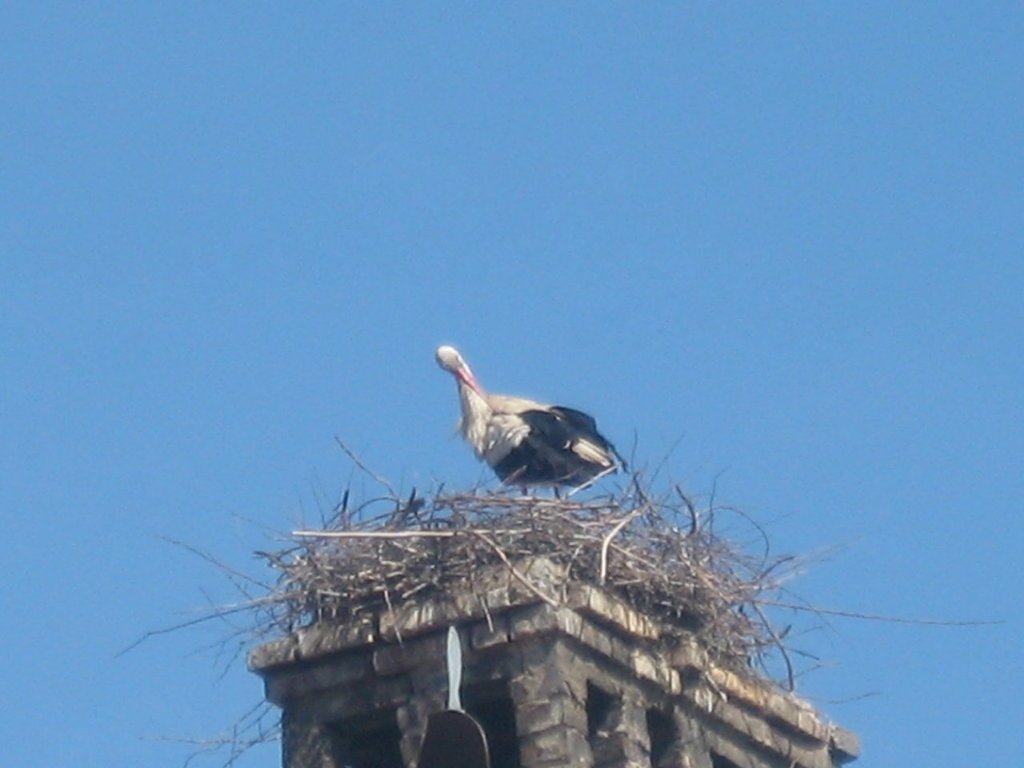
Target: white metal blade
[(454, 669)]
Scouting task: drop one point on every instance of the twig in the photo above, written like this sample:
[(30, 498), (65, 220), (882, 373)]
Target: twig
[(220, 613), (403, 534), (359, 463), (591, 482), (779, 645), (885, 617), (671, 565), (218, 563), (515, 572), (602, 578)]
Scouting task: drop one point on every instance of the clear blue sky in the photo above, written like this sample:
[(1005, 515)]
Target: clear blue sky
[(788, 235)]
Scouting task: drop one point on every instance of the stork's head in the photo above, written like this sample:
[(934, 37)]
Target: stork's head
[(450, 360)]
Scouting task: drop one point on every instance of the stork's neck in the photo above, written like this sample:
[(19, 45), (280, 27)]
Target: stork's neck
[(476, 412)]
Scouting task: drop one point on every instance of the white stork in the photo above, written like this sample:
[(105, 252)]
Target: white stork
[(526, 442)]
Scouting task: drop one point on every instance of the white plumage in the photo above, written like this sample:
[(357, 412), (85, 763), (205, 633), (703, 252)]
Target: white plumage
[(526, 442)]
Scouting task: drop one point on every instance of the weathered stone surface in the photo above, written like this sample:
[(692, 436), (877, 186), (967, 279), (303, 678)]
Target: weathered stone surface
[(324, 639), (622, 741), (580, 761), (547, 655), (690, 749), (610, 750), (533, 620), (566, 746), (306, 745), (313, 642), (788, 710), (347, 701), (844, 744), (742, 756), (543, 575), (285, 684), (412, 720), (606, 607), (423, 652), (489, 634), (543, 619), (408, 619), (639, 660), (539, 680), (602, 641), (729, 718), (538, 715), (267, 655), (688, 655), (650, 666)]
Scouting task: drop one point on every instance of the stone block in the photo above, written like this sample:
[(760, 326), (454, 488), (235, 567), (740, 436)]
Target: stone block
[(844, 745), (539, 682), (409, 746), (772, 740), (565, 746), (422, 652), (324, 639), (285, 684), (741, 756), (540, 620), (690, 749), (407, 620), (540, 715), (688, 655), (542, 574), (488, 635), (632, 719), (599, 639), (609, 749), (550, 657), (785, 709), (306, 745), (276, 652), (577, 761), (348, 701), (606, 607)]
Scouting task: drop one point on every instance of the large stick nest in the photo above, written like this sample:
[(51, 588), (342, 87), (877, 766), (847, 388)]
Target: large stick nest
[(662, 555)]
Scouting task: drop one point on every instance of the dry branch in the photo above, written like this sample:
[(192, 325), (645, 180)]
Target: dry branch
[(660, 553), (649, 550)]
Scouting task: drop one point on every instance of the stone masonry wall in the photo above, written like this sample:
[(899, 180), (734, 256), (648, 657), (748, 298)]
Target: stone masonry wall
[(559, 678)]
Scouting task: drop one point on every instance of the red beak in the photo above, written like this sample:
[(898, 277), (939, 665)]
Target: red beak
[(466, 377)]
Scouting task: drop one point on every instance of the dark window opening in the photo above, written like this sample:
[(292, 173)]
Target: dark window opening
[(717, 761), (372, 741), (661, 730), (491, 705), (604, 711), (601, 707)]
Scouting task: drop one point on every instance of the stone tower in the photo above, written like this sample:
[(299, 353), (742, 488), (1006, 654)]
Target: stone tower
[(557, 674)]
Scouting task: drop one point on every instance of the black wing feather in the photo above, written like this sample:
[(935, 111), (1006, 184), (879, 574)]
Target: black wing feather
[(585, 423), (579, 420), (546, 455)]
